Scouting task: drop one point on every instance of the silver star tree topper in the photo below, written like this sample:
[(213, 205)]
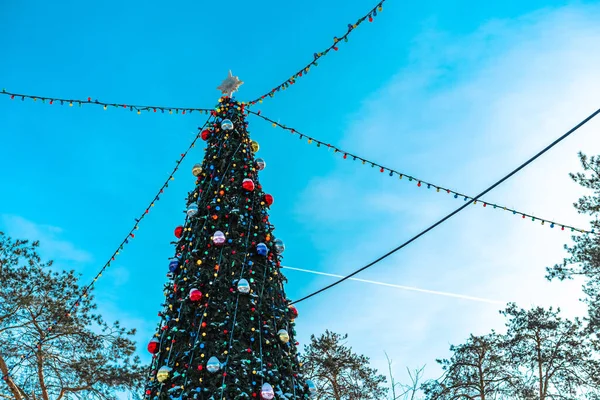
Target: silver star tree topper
[(230, 85)]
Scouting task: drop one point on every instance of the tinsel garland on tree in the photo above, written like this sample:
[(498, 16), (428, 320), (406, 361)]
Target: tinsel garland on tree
[(227, 329)]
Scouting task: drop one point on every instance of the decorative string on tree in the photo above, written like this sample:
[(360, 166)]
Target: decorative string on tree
[(420, 183), (80, 102), (226, 329), (130, 235), (316, 56)]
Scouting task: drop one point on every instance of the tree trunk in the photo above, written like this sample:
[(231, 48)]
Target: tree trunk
[(336, 390), (40, 371), (539, 359), (14, 389), (481, 382)]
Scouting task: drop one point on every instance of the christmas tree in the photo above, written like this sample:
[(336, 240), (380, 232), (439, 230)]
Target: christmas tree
[(227, 328)]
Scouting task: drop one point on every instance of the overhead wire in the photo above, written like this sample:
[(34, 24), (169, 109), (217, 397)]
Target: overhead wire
[(453, 213)]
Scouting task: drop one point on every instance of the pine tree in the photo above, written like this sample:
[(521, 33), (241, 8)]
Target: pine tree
[(338, 372), (50, 350), (549, 357), (584, 257), (475, 371), (227, 328), (542, 356)]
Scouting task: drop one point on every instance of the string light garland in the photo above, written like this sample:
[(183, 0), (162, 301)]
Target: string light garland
[(336, 42), (420, 182), (187, 110), (130, 235), (131, 107), (459, 209)]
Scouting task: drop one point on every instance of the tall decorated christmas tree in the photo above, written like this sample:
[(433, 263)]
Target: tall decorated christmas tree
[(227, 327)]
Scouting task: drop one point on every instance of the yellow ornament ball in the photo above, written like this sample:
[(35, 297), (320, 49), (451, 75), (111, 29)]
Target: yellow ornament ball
[(283, 335), (255, 147), (163, 374), (197, 169)]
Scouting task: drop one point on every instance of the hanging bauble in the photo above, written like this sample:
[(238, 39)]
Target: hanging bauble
[(205, 134), (293, 311), (261, 249), (179, 231), (243, 286), (267, 392), (227, 125), (279, 246), (283, 335), (163, 373), (218, 238), (213, 365), (197, 169), (260, 164), (153, 345), (312, 388), (192, 210), (268, 199), (248, 184), (174, 265), (195, 295), (254, 145)]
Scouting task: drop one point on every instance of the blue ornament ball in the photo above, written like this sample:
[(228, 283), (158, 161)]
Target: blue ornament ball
[(174, 265), (192, 210), (261, 249)]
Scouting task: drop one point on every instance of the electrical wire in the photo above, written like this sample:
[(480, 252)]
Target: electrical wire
[(453, 213)]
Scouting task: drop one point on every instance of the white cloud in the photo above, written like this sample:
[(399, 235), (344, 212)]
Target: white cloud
[(466, 111), (52, 243)]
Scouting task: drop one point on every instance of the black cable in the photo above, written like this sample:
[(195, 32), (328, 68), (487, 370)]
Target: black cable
[(453, 213)]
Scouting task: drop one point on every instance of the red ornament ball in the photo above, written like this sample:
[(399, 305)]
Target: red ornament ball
[(195, 295), (294, 312), (153, 346), (205, 134), (179, 232), (268, 199), (248, 184)]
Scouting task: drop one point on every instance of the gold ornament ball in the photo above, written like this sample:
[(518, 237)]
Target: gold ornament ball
[(163, 374), (283, 335), (197, 169), (255, 146)]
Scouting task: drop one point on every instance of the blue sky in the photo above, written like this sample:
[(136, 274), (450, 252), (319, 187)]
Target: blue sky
[(456, 94)]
